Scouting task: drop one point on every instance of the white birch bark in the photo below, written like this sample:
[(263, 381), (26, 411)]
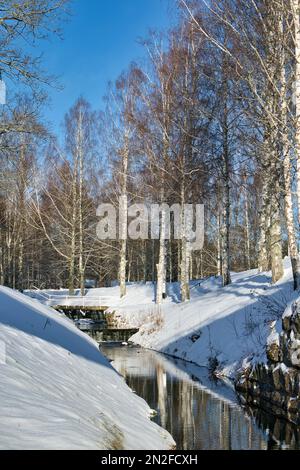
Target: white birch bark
[(226, 214), (185, 253), (288, 200), (219, 243), (247, 226), (225, 238), (273, 102), (263, 251), (123, 217), (161, 266), (73, 232), (296, 18), (80, 201)]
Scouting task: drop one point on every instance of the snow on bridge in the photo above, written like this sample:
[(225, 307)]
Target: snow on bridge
[(61, 299)]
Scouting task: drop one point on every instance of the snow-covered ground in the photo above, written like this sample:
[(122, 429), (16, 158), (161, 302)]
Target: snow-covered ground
[(57, 391), (225, 326)]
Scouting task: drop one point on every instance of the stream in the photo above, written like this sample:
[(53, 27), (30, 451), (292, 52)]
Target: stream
[(200, 413)]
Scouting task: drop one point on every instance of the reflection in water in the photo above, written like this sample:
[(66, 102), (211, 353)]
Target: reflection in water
[(281, 434), (102, 333), (199, 413)]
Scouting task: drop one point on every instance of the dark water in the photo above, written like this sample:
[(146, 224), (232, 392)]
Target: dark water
[(200, 413), (104, 334)]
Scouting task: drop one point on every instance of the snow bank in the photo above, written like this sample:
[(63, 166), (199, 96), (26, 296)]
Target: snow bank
[(220, 327), (224, 327), (58, 392)]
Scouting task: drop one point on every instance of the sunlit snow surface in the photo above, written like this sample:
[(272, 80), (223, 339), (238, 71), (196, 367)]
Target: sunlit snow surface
[(58, 392), (233, 323)]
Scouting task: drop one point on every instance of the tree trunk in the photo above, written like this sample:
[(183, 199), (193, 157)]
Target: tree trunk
[(170, 259), (264, 226), (226, 225), (219, 244), (153, 261), (144, 261), (185, 252), (276, 240), (80, 205), (247, 226), (296, 18), (288, 200), (161, 268), (73, 231), (185, 271), (275, 221), (226, 194), (123, 218), (225, 240), (289, 216)]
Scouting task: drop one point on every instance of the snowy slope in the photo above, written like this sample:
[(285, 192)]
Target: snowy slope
[(229, 325), (139, 294), (231, 322), (58, 392)]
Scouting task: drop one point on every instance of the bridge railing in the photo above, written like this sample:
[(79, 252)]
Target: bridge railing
[(78, 301), (70, 300)]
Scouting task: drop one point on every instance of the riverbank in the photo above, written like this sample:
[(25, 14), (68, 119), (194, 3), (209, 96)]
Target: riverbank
[(275, 386), (224, 329), (58, 391)]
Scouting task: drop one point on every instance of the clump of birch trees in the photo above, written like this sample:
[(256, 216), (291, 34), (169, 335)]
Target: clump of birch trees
[(212, 116)]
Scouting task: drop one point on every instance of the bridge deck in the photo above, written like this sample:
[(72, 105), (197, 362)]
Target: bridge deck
[(84, 308)]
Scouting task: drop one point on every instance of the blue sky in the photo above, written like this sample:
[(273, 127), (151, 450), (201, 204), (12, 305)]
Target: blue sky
[(100, 40)]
